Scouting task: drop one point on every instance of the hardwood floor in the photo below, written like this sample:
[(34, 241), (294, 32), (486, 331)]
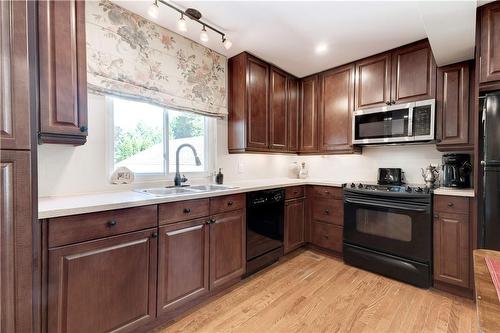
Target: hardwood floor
[(310, 292)]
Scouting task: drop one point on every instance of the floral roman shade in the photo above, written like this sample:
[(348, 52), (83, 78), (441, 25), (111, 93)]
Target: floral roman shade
[(132, 57)]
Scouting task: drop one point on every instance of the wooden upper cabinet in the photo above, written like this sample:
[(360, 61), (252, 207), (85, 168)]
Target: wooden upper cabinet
[(452, 106), (373, 81), (292, 107), (336, 103), (183, 265), (490, 43), (103, 285), (257, 103), (14, 76), (63, 72), (278, 110), (227, 247), (309, 115), (413, 73)]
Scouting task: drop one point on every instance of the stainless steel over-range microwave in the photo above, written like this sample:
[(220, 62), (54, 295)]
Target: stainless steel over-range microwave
[(407, 122)]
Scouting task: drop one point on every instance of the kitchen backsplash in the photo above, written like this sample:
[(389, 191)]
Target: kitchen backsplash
[(65, 170)]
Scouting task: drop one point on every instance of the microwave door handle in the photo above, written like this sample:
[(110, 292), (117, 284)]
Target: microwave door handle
[(410, 121), (383, 205)]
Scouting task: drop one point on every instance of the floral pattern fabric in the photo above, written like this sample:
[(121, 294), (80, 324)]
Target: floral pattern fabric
[(132, 57)]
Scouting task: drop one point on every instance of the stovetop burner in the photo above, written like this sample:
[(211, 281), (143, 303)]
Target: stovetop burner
[(363, 187)]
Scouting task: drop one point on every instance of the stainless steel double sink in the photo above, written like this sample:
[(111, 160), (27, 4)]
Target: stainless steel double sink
[(185, 190)]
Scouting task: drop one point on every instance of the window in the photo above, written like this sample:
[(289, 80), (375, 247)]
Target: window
[(145, 139)]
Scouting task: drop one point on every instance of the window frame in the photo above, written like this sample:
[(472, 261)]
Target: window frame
[(210, 146)]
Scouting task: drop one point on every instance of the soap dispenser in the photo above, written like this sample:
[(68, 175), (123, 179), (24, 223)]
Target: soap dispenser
[(219, 178)]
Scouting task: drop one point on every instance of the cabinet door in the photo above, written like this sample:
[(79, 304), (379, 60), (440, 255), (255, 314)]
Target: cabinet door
[(257, 104), (452, 105), (104, 285), (335, 109), (227, 247), (278, 112), (292, 107), (413, 73), (490, 43), (294, 224), (63, 81), (182, 264), (16, 252), (451, 248), (309, 114), (373, 77), (14, 76)]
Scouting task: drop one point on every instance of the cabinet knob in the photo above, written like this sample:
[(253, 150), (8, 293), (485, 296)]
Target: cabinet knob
[(393, 102), (450, 204), (436, 216), (211, 221), (325, 236), (230, 203), (295, 192), (83, 128), (388, 102), (327, 211), (154, 235), (111, 223), (187, 210)]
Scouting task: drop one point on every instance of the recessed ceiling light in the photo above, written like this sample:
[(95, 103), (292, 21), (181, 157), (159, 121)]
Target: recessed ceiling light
[(321, 48)]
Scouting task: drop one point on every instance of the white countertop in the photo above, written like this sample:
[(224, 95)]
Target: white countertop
[(49, 207), (459, 192)]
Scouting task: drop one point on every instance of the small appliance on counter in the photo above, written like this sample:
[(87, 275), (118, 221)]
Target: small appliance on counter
[(430, 175), (456, 170), (390, 176)]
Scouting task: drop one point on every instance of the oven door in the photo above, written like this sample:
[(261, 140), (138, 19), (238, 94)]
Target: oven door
[(383, 125), (389, 224)]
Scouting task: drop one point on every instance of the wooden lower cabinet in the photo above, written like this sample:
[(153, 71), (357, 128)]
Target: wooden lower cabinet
[(227, 247), (451, 248), (327, 236), (103, 285), (183, 266), (294, 236)]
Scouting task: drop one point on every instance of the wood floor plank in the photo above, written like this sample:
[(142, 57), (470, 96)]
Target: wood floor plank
[(311, 292)]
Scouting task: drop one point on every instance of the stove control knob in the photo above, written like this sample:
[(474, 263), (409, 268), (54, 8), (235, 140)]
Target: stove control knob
[(360, 185), (353, 185), (419, 189), (408, 189)]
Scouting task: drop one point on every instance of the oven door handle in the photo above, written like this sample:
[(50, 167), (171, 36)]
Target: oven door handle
[(379, 204)]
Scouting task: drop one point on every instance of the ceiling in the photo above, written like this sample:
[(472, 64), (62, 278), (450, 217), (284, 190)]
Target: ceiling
[(287, 33)]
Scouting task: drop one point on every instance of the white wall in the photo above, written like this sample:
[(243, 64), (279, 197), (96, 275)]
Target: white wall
[(64, 170)]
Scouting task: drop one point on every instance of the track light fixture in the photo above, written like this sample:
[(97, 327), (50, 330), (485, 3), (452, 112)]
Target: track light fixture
[(194, 15)]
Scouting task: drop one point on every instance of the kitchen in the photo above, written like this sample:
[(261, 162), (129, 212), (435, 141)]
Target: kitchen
[(173, 166)]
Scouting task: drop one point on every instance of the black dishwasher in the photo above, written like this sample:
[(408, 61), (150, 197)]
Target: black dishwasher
[(265, 213)]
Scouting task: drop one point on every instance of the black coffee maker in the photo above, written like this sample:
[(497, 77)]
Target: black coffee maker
[(456, 170)]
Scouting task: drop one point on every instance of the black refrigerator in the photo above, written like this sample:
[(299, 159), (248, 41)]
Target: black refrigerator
[(489, 233)]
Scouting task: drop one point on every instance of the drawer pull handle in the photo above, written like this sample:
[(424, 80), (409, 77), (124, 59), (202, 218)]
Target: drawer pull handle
[(230, 203), (327, 211), (211, 221), (450, 204), (111, 223), (154, 234), (325, 236), (295, 192), (187, 210), (327, 192)]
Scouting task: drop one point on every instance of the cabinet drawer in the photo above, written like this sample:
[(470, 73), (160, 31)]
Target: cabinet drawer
[(327, 236), (183, 210), (451, 204), (78, 228), (294, 192), (328, 210), (227, 203), (327, 192)]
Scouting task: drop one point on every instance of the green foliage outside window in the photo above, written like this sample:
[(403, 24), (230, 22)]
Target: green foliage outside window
[(131, 142)]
